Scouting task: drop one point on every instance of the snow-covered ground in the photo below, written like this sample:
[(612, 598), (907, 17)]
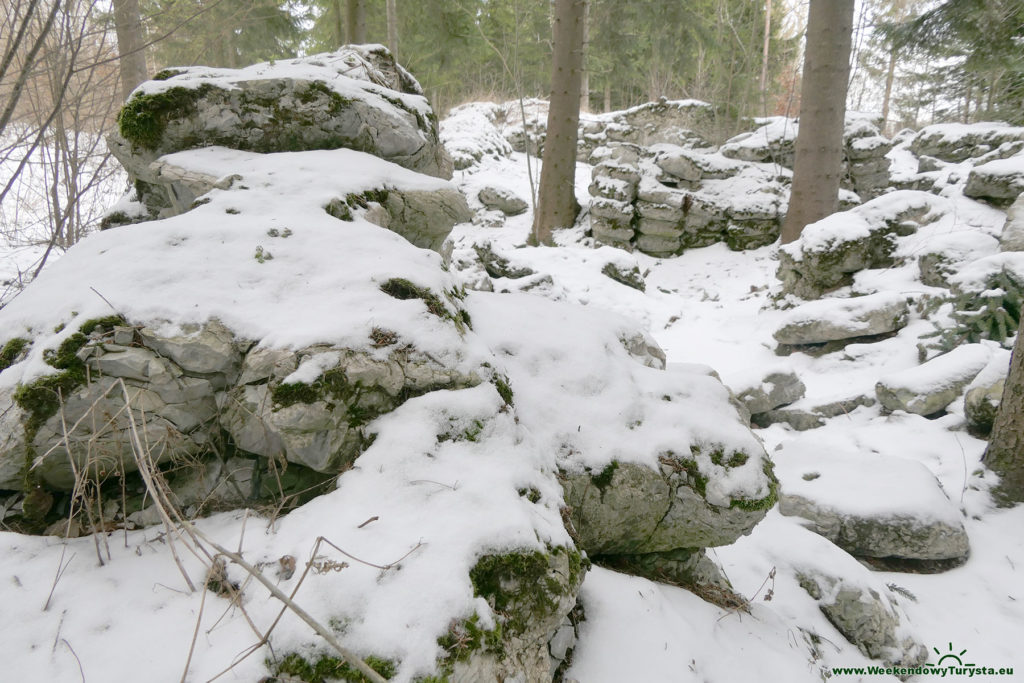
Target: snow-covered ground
[(712, 306), (75, 619)]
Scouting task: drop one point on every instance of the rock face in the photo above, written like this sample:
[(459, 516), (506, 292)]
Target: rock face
[(817, 322), (865, 618), (356, 98), (999, 181), (931, 387)]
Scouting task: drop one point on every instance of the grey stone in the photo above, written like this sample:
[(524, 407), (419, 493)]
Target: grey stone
[(895, 536), (619, 212), (775, 390), (932, 386), (659, 228), (800, 420), (1012, 237), (209, 349), (981, 404), (817, 322), (680, 165), (660, 212), (865, 618), (632, 509), (277, 113), (996, 181), (322, 428), (503, 200), (123, 335), (426, 218), (130, 363), (844, 407), (957, 143), (658, 245)]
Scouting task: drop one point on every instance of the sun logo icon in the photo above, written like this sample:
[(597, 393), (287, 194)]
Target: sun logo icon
[(955, 656)]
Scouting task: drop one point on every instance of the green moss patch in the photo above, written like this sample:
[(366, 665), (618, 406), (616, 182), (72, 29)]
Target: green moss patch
[(41, 399), (522, 587), (403, 289), (144, 118), (504, 389), (766, 503), (11, 352), (326, 668), (466, 637), (603, 479)]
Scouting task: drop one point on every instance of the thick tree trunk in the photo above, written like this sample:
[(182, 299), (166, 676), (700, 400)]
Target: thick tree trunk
[(355, 21), (819, 144), (1005, 453), (392, 17), (130, 44), (556, 204)]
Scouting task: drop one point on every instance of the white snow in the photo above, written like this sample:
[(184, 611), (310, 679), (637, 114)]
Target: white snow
[(577, 393)]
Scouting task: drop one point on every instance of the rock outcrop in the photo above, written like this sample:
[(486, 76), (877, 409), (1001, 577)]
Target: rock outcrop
[(356, 98)]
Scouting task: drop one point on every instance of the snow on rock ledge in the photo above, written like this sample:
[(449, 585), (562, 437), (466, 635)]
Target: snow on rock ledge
[(357, 98)]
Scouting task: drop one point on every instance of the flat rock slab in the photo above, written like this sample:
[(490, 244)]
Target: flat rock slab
[(871, 506), (828, 320), (932, 386)]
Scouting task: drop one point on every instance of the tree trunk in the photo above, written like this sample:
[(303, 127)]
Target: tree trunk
[(556, 204), (584, 73), (818, 167), (764, 51), (608, 94), (392, 17), (339, 23), (130, 44), (356, 22), (1005, 453), (890, 76)]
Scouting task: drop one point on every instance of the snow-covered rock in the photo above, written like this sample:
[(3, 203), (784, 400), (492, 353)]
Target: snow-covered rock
[(357, 98), (1000, 181), (817, 322), (956, 142), (932, 386), (831, 250), (502, 199), (903, 515), (774, 390)]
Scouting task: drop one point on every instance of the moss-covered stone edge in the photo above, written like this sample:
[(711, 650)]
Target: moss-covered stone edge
[(12, 351)]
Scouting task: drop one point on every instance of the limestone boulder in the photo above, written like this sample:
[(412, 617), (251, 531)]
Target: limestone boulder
[(629, 509), (504, 200), (930, 387), (910, 519), (356, 98), (817, 322), (981, 405), (867, 618), (999, 181), (775, 390)]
